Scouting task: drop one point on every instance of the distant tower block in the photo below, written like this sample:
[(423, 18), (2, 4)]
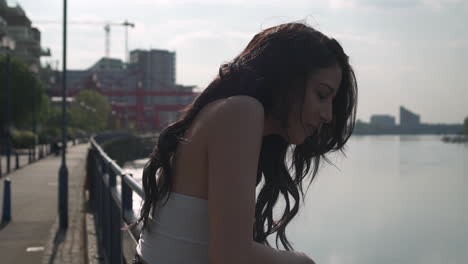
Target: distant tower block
[(158, 67), (408, 118), (383, 120)]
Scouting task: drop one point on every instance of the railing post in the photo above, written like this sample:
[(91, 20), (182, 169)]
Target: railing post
[(16, 159), (8, 152), (6, 215), (98, 195), (41, 153), (112, 178), (110, 203), (115, 221), (106, 217), (34, 152), (127, 199)]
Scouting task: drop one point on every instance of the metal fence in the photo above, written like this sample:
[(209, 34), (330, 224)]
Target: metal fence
[(111, 192), (12, 158), (14, 162)]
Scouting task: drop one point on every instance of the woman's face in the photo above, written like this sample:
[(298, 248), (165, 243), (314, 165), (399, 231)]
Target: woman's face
[(321, 88)]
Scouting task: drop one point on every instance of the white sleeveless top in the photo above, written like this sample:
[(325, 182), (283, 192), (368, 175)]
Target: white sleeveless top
[(179, 232)]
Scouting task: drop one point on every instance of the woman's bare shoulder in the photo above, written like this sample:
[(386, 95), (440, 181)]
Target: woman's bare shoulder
[(231, 114), (234, 107)]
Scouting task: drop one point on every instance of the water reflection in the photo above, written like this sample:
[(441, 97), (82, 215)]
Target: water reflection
[(395, 199)]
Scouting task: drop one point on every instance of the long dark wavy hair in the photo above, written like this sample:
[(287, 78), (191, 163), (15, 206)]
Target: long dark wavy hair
[(273, 67)]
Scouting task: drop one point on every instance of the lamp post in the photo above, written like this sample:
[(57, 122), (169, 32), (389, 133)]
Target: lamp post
[(7, 45), (63, 172), (34, 96), (34, 121)]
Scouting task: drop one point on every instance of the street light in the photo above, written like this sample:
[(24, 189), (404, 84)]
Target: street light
[(7, 44), (63, 172), (34, 120), (35, 88)]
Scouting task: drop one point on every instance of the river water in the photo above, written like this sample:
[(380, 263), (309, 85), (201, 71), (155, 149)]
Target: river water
[(393, 199)]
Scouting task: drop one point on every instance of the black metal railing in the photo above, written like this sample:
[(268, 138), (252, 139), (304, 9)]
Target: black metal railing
[(11, 160), (111, 190), (14, 162)]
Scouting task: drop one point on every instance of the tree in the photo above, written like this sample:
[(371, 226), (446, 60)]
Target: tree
[(52, 127), (27, 94), (90, 111)]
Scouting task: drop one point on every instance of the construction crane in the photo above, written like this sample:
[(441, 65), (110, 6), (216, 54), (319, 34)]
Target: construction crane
[(107, 28)]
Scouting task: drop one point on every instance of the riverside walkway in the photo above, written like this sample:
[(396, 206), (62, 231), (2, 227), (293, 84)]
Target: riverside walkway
[(32, 235)]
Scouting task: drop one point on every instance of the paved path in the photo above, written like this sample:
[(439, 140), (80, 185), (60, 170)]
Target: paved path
[(32, 235)]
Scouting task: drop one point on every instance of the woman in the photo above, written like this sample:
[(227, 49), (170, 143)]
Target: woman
[(292, 91)]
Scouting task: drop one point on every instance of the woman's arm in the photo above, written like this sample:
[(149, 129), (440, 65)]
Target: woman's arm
[(234, 137)]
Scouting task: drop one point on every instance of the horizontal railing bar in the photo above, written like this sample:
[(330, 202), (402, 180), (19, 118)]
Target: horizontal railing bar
[(133, 184), (116, 168)]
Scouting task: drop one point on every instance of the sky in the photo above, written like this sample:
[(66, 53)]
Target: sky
[(404, 52)]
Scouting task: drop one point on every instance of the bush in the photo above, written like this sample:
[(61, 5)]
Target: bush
[(80, 133), (53, 134), (23, 139), (50, 134)]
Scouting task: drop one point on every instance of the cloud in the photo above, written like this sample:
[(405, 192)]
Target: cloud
[(458, 43), (193, 36), (199, 53), (389, 3), (183, 2), (439, 4), (245, 4), (374, 40), (373, 4), (337, 4), (399, 4)]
